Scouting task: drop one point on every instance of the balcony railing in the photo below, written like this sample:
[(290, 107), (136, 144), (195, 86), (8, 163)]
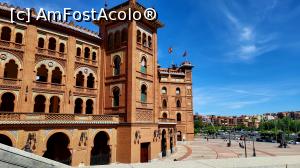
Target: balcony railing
[(16, 116), (10, 82), (86, 61), (9, 44), (51, 53), (85, 90), (166, 121), (46, 85)]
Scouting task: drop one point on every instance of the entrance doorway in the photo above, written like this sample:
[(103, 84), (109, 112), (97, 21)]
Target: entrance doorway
[(145, 152), (179, 136), (5, 140), (101, 153), (57, 148)]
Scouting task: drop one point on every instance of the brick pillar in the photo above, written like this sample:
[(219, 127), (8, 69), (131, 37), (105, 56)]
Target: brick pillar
[(30, 41)]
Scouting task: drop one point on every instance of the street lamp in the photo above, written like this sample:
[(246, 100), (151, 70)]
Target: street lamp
[(229, 139), (245, 145), (254, 153)]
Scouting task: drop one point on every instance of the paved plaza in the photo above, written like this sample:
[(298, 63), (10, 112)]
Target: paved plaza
[(217, 149), (214, 153)]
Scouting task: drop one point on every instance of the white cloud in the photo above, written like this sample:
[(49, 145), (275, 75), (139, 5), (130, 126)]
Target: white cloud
[(246, 40), (247, 33)]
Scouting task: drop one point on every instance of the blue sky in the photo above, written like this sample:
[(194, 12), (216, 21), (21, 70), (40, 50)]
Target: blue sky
[(246, 53)]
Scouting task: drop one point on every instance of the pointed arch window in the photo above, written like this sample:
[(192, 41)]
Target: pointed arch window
[(89, 107), (19, 38), (52, 44), (56, 76), (87, 53), (42, 74), (164, 90), (164, 103), (178, 104), (177, 91), (78, 52), (139, 36), (116, 97), (144, 40), (7, 102), (117, 65), (6, 34), (11, 70), (80, 79), (91, 81), (62, 47), (149, 41), (41, 42), (144, 94), (78, 106), (144, 65), (39, 104), (178, 117)]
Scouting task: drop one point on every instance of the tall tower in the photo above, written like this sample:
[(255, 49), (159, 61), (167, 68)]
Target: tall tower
[(129, 80)]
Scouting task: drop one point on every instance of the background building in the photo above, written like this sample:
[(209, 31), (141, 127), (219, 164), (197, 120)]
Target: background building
[(70, 95)]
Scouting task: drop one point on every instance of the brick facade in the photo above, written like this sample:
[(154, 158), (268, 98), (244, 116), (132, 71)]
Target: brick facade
[(74, 96)]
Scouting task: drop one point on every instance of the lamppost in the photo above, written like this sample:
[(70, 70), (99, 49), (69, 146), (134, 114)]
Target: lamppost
[(245, 145), (254, 153), (229, 139)]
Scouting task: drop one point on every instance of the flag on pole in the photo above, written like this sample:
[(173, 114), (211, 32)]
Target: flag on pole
[(170, 50), (185, 54)]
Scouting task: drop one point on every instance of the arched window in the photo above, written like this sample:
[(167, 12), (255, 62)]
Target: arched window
[(42, 74), (87, 53), (52, 44), (117, 39), (6, 34), (139, 36), (80, 79), (144, 94), (62, 47), (165, 115), (89, 107), (178, 117), (41, 43), (90, 81), (144, 40), (144, 65), (164, 104), (164, 90), (7, 102), (116, 95), (19, 38), (11, 70), (39, 104), (149, 42), (78, 106), (177, 91), (56, 76), (54, 104), (117, 65), (124, 36), (78, 52), (110, 41), (94, 56), (178, 104)]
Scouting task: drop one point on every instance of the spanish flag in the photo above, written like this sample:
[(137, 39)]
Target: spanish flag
[(170, 50)]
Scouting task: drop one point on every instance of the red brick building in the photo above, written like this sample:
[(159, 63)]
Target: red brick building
[(75, 96)]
